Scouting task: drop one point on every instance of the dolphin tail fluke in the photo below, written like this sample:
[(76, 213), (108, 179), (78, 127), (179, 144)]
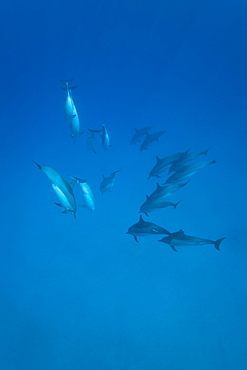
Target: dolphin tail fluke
[(66, 82), (176, 204), (218, 242), (94, 131), (77, 179), (38, 165)]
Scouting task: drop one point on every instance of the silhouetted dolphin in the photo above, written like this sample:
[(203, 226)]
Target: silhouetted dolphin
[(187, 171), (153, 204), (149, 139), (143, 228), (108, 182), (88, 197), (63, 190), (179, 239), (166, 190), (163, 163), (139, 133), (91, 140), (186, 158), (70, 112)]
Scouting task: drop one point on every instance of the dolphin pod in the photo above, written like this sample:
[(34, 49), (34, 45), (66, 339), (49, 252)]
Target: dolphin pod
[(177, 166)]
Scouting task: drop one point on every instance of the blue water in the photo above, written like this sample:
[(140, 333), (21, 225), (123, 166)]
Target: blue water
[(81, 293)]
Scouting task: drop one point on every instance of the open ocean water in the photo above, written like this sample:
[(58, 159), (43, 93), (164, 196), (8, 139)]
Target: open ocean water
[(81, 293)]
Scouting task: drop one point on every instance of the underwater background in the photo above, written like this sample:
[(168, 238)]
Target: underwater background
[(81, 293)]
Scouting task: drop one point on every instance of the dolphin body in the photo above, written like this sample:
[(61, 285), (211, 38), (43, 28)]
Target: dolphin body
[(139, 133), (187, 171), (91, 140), (179, 239), (105, 138), (186, 158), (88, 197), (108, 182), (70, 112), (163, 163), (143, 228), (153, 204), (166, 190), (149, 139), (62, 189)]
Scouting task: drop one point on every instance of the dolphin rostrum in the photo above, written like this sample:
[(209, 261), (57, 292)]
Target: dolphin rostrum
[(179, 239), (143, 228), (62, 189)]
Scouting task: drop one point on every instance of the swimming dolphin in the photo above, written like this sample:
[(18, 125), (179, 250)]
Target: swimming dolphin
[(63, 190), (91, 140), (149, 139), (88, 197), (108, 182), (153, 204), (166, 190), (139, 133), (163, 163), (70, 112), (186, 158), (187, 171), (105, 138), (143, 228), (179, 239)]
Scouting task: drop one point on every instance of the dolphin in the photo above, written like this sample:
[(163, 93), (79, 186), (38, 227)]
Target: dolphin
[(163, 163), (105, 138), (70, 112), (108, 182), (186, 158), (91, 139), (179, 239), (187, 171), (63, 190), (153, 204), (143, 228), (88, 197), (139, 133), (149, 139), (166, 190)]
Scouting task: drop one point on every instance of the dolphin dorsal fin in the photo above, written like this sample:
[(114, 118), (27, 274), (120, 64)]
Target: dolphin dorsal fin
[(147, 197), (158, 159), (140, 219), (158, 186)]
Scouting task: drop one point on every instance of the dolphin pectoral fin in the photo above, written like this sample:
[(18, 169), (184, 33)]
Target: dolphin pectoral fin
[(173, 248), (65, 211), (81, 132), (58, 204), (136, 239)]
